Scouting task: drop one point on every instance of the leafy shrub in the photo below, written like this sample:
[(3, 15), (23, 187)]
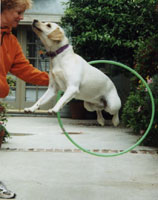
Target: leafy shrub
[(146, 57), (11, 81), (137, 111), (3, 119), (111, 29)]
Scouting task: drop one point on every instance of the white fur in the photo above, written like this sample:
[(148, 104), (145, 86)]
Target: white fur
[(75, 77)]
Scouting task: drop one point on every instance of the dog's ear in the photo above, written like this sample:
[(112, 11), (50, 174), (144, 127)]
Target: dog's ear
[(56, 35)]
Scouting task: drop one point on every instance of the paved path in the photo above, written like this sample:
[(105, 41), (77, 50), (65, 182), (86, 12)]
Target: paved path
[(40, 163)]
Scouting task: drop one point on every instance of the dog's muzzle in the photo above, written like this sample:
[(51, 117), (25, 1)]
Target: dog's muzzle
[(35, 21)]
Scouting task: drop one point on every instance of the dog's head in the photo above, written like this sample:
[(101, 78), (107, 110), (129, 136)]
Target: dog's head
[(48, 32)]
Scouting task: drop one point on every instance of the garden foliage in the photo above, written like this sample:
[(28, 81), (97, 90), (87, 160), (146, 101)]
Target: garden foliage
[(125, 31), (146, 57), (111, 29), (3, 119), (137, 110)]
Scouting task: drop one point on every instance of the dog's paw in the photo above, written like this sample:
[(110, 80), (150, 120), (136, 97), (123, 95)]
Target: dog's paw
[(115, 123), (29, 110), (51, 111), (101, 122), (115, 120)]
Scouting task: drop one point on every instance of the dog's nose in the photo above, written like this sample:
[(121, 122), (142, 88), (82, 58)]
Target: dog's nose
[(34, 22)]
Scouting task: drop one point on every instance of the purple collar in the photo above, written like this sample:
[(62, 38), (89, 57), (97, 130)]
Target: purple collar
[(58, 51)]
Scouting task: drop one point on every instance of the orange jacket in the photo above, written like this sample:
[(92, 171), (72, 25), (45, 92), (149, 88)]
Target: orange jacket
[(13, 60)]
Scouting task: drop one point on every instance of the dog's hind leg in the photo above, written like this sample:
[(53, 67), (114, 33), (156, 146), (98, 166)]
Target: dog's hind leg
[(93, 107), (115, 113), (89, 106), (113, 106), (100, 118), (115, 119)]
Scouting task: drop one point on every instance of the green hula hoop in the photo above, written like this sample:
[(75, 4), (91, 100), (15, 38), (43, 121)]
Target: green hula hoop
[(147, 130)]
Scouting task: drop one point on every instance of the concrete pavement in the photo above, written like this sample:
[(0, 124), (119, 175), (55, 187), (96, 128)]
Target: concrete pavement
[(40, 163)]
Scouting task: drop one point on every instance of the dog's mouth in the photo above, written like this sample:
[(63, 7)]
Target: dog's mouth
[(35, 26)]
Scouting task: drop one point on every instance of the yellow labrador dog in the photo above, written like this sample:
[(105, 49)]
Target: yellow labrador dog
[(74, 76)]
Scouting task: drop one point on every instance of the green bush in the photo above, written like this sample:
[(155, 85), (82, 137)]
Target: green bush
[(137, 111), (3, 110), (111, 29), (3, 119), (146, 57)]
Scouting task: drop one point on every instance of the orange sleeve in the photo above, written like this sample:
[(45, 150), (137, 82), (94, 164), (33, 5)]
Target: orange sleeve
[(22, 68), (4, 87)]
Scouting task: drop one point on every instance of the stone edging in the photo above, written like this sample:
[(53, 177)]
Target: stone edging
[(55, 150)]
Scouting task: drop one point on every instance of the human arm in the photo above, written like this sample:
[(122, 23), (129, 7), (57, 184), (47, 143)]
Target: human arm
[(22, 68)]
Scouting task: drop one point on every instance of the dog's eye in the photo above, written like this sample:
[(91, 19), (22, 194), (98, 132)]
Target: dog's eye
[(49, 25)]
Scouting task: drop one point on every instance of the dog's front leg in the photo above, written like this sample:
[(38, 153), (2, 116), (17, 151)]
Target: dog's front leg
[(68, 95), (48, 95)]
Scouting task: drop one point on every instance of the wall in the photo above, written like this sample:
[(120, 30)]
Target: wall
[(44, 10), (47, 7)]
